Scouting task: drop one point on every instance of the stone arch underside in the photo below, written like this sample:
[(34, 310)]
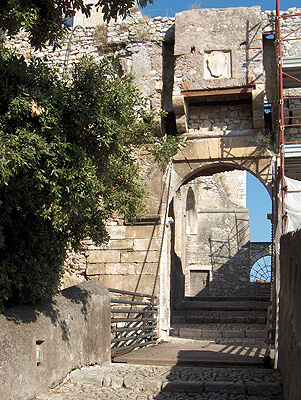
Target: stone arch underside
[(207, 156)]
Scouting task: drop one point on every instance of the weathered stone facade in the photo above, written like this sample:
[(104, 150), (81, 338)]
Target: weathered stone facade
[(218, 50), (212, 253), (211, 70)]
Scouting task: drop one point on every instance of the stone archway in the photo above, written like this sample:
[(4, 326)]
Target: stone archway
[(205, 156), (131, 258)]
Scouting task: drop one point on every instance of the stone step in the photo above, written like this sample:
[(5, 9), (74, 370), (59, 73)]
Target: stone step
[(218, 316), (220, 387), (227, 305), (227, 298), (219, 331), (178, 380)]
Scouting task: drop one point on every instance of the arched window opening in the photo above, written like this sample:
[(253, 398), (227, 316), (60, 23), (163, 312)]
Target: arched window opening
[(191, 216), (261, 270)]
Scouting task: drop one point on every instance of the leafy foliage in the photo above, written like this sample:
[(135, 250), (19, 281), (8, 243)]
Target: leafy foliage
[(45, 20), (113, 8), (66, 165)]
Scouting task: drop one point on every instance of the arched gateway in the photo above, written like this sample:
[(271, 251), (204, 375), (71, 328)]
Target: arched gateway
[(213, 85), (154, 250)]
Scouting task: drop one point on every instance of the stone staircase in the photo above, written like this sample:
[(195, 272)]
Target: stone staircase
[(148, 382), (221, 318)]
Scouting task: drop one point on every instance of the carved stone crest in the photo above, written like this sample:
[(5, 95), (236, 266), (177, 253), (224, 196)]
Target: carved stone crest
[(217, 65)]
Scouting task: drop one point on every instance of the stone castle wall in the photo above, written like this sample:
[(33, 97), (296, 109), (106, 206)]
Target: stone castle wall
[(218, 110)]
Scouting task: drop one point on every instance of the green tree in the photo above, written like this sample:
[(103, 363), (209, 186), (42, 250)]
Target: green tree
[(66, 166), (45, 20)]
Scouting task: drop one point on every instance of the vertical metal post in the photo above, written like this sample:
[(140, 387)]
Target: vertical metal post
[(281, 102)]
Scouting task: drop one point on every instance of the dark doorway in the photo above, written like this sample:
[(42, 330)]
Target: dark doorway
[(199, 283)]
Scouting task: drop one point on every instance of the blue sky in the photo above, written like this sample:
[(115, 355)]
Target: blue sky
[(259, 204), (181, 5), (258, 199)]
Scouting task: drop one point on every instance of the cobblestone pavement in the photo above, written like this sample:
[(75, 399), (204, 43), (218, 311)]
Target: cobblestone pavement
[(147, 382)]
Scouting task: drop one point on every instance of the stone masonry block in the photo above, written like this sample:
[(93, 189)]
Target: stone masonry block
[(258, 98), (103, 256), (234, 334), (225, 387), (139, 256), (178, 103), (190, 333), (96, 269), (150, 384), (208, 320), (240, 320), (214, 148), (146, 244), (212, 334), (107, 380), (181, 123), (180, 387), (238, 147), (142, 231), (115, 281), (143, 285), (182, 169), (116, 232), (253, 334), (116, 382), (80, 376), (119, 268), (145, 268), (264, 388), (121, 244), (261, 320), (130, 382), (195, 320), (258, 122)]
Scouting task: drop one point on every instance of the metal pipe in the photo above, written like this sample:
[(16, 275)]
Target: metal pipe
[(281, 144)]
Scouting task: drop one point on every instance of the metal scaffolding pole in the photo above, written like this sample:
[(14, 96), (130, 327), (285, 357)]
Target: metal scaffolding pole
[(282, 122)]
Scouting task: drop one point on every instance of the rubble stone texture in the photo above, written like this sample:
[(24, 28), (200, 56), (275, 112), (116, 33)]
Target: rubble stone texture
[(151, 382)]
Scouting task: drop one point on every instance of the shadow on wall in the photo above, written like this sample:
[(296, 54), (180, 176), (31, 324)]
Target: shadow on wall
[(231, 272), (49, 307), (177, 278), (42, 343), (231, 260)]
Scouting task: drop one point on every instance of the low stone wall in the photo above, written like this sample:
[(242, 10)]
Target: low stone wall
[(289, 315), (69, 330)]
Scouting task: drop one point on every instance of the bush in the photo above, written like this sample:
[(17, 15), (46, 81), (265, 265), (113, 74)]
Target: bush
[(66, 165)]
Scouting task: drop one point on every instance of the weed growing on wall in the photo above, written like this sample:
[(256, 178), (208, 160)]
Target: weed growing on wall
[(265, 140), (100, 36)]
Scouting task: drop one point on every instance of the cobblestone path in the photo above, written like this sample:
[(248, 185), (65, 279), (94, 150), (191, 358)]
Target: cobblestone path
[(148, 382)]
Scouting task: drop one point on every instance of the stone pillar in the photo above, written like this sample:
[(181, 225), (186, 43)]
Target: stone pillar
[(179, 107)]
